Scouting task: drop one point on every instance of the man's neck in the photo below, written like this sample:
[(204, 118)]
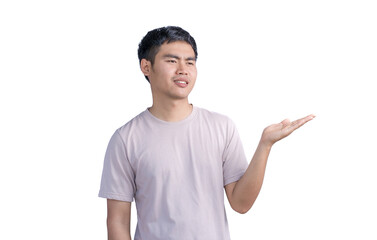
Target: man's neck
[(172, 111)]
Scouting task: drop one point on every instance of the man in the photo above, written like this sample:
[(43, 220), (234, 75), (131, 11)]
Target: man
[(175, 159)]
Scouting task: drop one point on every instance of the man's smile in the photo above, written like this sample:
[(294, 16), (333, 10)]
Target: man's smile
[(181, 82)]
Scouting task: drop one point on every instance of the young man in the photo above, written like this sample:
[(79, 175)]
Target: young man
[(175, 159)]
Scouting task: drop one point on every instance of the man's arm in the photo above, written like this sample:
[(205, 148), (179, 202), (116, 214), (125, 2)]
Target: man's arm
[(118, 220), (243, 193)]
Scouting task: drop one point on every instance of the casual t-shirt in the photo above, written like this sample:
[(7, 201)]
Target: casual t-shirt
[(176, 172)]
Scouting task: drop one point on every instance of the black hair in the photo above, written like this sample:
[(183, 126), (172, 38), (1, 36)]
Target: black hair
[(151, 43)]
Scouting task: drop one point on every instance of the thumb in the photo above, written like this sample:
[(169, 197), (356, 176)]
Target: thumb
[(285, 122)]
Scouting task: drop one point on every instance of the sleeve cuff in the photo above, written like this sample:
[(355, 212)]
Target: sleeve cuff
[(234, 178), (115, 196)]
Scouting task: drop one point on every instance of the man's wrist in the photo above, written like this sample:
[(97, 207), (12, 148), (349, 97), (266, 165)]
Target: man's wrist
[(265, 144)]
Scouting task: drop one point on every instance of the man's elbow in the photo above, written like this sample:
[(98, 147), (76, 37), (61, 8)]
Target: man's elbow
[(242, 209)]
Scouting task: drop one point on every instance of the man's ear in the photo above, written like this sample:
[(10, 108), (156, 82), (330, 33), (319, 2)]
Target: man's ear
[(146, 67)]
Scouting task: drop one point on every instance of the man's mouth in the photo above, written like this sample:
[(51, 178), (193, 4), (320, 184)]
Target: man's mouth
[(181, 82)]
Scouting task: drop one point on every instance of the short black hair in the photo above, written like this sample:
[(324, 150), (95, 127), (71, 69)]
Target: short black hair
[(151, 43)]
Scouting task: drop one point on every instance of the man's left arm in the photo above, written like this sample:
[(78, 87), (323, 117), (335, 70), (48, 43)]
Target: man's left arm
[(243, 193)]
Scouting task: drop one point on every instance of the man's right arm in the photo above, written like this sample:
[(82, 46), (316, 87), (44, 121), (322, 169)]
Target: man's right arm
[(118, 220)]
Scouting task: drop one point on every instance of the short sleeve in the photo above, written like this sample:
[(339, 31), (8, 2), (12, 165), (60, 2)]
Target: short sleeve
[(234, 158), (118, 178)]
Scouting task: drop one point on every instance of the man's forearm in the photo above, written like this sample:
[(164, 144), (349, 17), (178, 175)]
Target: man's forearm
[(248, 187)]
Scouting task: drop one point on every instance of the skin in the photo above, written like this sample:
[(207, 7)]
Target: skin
[(176, 61), (118, 220)]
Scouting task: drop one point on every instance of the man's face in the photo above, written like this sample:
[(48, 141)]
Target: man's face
[(173, 74)]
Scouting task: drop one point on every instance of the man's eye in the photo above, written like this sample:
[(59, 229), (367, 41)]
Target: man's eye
[(172, 61), (190, 63)]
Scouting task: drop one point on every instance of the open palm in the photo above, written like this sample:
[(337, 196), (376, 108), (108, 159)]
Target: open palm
[(276, 132)]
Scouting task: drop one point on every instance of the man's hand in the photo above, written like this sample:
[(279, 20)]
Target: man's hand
[(276, 132)]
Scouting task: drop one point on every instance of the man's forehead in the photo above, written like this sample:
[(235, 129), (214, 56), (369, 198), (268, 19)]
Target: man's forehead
[(178, 48)]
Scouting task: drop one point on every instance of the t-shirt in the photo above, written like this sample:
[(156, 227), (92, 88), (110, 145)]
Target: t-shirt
[(176, 172)]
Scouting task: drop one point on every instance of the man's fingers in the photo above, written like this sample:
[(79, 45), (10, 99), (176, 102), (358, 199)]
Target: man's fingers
[(299, 122)]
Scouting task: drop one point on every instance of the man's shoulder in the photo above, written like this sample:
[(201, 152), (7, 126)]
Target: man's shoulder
[(134, 123)]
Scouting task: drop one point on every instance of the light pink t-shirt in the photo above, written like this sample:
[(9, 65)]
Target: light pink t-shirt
[(176, 172)]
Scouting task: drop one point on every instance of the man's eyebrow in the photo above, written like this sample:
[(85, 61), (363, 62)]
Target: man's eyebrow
[(176, 57)]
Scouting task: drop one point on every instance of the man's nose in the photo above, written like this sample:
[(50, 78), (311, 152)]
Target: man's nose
[(182, 68)]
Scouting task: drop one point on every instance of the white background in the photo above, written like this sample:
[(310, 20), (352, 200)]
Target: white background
[(70, 76)]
